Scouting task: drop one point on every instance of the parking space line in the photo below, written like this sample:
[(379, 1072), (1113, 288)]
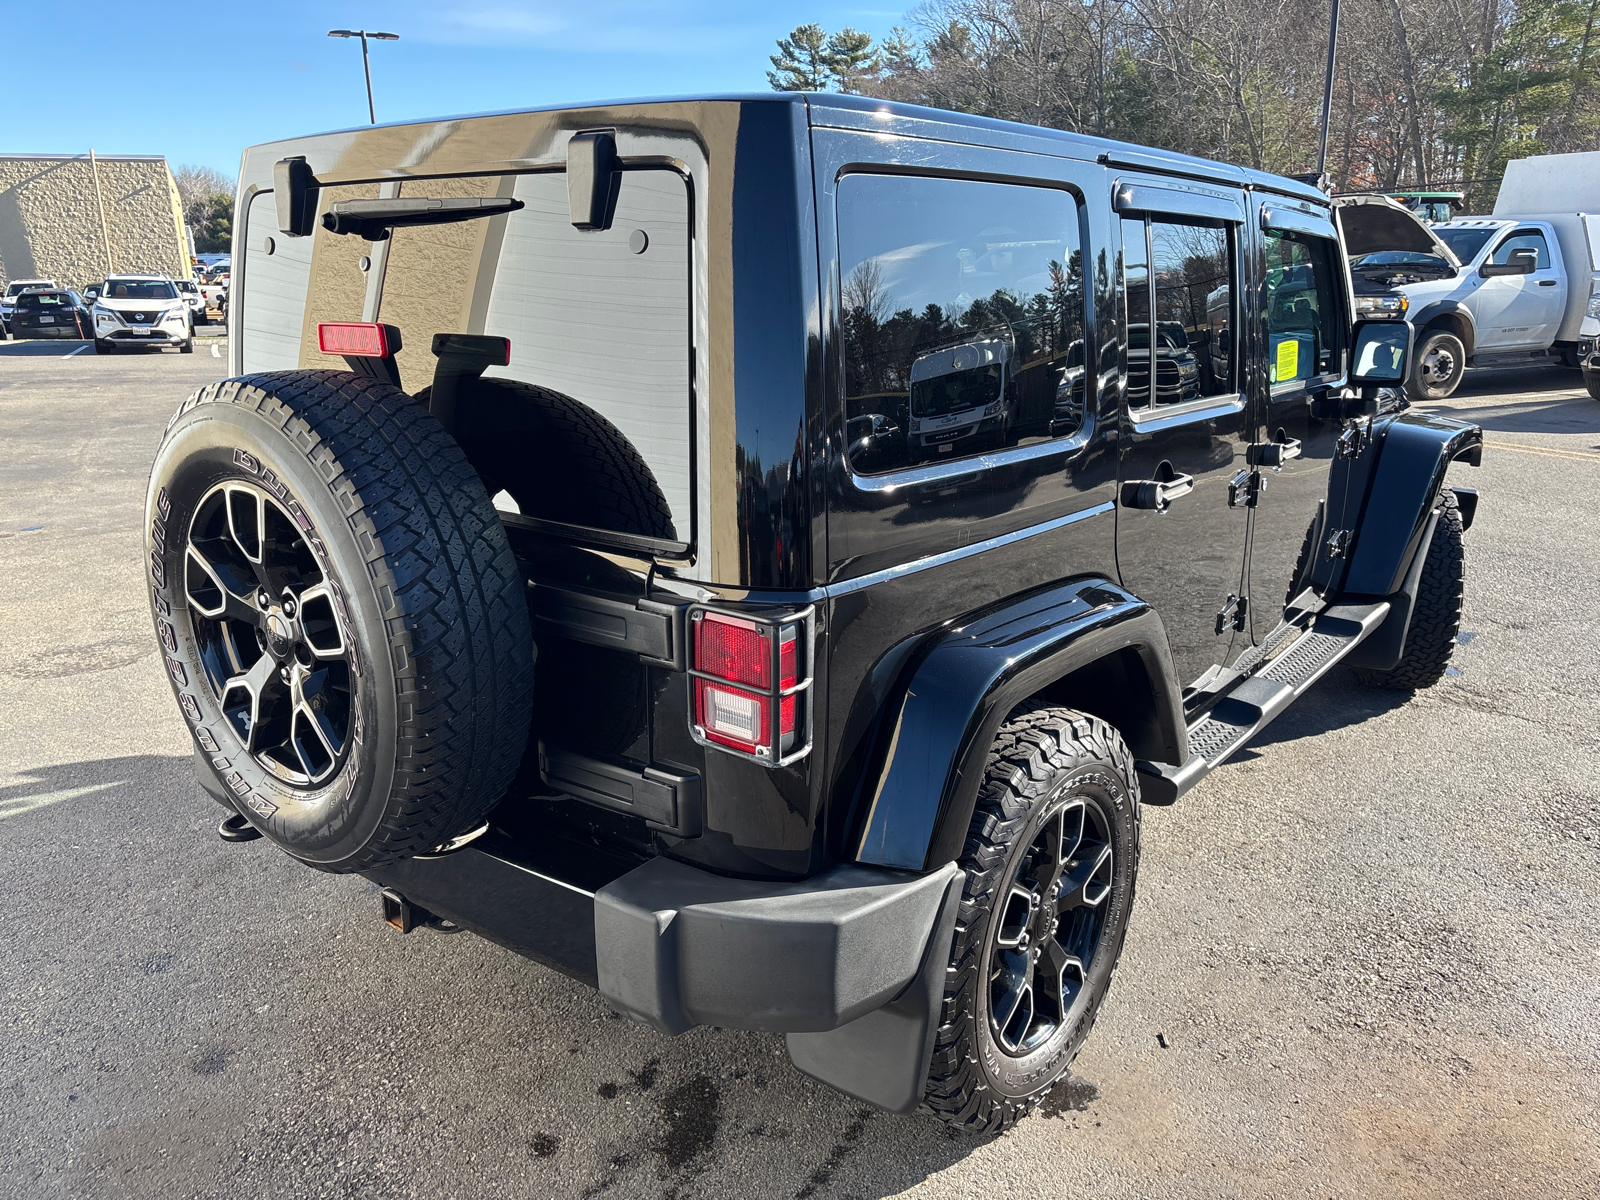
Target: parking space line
[(79, 350), (1548, 451), (215, 353)]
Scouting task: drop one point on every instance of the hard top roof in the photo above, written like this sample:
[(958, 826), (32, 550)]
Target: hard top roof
[(836, 110)]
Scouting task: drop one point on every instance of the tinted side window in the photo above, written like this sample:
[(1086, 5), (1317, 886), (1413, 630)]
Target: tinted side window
[(1184, 272), (1303, 326), (963, 318), (1523, 239)]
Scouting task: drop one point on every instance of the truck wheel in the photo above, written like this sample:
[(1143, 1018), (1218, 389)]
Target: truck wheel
[(1050, 861), (1591, 380), (1441, 361), (343, 622), (557, 458), (1436, 617)]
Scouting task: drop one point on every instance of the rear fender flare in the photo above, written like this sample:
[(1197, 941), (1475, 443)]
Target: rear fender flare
[(1415, 451), (943, 722)]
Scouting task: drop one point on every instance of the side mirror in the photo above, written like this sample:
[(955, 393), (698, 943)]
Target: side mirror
[(1519, 262), (1382, 353)]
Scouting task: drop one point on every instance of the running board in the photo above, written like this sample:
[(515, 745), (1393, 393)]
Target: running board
[(1258, 698)]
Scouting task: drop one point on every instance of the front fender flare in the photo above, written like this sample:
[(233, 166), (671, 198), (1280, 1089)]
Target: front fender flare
[(966, 684), (1415, 450)]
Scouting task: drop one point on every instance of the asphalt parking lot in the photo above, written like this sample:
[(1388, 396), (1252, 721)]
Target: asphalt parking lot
[(1364, 959)]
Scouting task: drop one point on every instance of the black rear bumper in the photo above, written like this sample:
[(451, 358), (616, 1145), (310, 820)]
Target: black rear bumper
[(849, 963)]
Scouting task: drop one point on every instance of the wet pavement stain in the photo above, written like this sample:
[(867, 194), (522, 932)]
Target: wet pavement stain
[(607, 1090), (841, 1149), (1070, 1095), (544, 1144), (646, 1075), (213, 1061), (692, 1115)]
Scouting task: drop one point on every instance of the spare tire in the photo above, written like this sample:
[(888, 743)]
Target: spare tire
[(343, 622), (557, 458)]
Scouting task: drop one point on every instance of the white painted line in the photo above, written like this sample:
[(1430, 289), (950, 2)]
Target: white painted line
[(79, 350), (215, 353)]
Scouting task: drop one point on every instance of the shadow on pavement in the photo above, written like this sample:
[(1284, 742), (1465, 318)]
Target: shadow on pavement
[(209, 981), (43, 348), (1544, 402)]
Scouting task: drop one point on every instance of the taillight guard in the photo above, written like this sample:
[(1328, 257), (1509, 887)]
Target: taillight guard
[(755, 703)]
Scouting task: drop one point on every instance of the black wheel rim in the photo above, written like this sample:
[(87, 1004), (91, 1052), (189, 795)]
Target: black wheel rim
[(275, 652), (1048, 926)]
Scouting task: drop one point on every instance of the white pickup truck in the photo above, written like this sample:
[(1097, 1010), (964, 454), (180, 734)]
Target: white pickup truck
[(1520, 286)]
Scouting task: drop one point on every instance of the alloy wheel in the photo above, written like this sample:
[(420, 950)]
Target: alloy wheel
[(267, 621), (1048, 926)]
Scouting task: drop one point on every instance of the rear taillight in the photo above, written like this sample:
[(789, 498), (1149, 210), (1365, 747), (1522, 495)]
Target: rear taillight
[(750, 679)]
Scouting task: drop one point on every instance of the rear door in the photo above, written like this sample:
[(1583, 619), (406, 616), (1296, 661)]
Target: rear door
[(1185, 426)]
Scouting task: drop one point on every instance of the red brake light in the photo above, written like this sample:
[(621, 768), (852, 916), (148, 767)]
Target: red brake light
[(358, 340), (740, 652)]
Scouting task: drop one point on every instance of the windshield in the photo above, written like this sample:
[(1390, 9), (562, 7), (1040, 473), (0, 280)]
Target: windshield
[(13, 288), (138, 289), (956, 392), (1463, 243)]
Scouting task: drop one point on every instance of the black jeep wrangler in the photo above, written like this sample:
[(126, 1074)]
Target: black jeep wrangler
[(756, 555)]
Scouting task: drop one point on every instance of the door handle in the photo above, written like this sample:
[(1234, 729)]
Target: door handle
[(1274, 454), (1547, 283), (1157, 494)]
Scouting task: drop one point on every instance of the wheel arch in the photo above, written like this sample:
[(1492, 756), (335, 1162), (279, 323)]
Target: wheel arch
[(1087, 644), (1451, 316)]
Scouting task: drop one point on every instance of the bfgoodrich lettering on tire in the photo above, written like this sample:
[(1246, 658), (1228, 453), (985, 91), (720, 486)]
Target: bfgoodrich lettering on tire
[(1050, 858), (341, 616)]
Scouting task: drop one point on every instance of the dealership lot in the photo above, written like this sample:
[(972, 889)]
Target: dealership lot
[(1363, 962)]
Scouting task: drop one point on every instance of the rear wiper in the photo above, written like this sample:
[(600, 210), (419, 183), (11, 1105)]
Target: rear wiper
[(373, 219)]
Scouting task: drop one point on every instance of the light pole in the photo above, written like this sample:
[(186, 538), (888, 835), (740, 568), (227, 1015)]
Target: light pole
[(366, 65), (1327, 91)]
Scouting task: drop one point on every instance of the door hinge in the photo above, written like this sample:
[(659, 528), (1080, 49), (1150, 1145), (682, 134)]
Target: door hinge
[(1245, 488), (1338, 543), (1352, 441), (1233, 613)]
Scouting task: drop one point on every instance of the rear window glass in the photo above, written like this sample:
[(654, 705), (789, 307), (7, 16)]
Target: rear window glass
[(32, 300), (962, 313)]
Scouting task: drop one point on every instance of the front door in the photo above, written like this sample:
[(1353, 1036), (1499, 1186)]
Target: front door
[(1519, 311), (1180, 544), (1302, 328)]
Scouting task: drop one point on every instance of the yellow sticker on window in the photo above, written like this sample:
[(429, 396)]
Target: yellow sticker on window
[(1288, 364)]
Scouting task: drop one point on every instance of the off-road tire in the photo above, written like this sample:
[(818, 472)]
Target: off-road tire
[(1436, 616), (1441, 345), (419, 591), (558, 458), (1591, 380), (1042, 757)]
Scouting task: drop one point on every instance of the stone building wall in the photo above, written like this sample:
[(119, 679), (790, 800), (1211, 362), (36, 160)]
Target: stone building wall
[(50, 224)]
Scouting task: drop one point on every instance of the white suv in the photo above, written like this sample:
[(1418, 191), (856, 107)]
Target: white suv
[(147, 310), (13, 289)]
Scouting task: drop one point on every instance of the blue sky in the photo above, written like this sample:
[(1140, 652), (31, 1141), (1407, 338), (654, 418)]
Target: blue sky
[(248, 77)]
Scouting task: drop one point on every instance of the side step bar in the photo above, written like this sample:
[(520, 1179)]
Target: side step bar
[(1257, 699)]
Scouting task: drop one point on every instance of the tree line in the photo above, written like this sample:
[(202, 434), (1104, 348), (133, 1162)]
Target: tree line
[(1435, 93)]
